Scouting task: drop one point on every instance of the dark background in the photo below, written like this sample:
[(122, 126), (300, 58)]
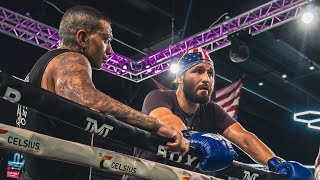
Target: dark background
[(146, 25)]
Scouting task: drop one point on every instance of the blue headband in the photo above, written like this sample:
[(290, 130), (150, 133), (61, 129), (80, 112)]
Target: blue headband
[(192, 58)]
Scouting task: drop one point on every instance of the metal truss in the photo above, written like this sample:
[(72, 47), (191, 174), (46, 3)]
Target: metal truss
[(28, 30), (255, 21), (312, 123)]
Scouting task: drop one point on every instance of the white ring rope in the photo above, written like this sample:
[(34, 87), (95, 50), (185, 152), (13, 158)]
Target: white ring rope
[(40, 145)]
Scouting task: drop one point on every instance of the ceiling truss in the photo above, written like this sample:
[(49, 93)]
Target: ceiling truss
[(255, 21)]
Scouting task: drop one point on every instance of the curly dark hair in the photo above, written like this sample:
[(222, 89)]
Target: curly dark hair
[(79, 17)]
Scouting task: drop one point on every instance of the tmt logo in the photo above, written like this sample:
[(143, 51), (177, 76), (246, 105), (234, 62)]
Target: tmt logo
[(92, 126), (247, 176)]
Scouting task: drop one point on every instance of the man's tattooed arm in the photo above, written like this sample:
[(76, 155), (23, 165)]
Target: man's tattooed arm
[(72, 77)]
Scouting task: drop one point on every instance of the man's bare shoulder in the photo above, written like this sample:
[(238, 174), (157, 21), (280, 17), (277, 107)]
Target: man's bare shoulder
[(71, 75), (161, 92), (68, 62)]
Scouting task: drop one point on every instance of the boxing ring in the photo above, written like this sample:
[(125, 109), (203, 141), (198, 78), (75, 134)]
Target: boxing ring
[(17, 91), (40, 145)]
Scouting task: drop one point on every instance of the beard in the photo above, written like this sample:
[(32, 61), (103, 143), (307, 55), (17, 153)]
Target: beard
[(191, 95)]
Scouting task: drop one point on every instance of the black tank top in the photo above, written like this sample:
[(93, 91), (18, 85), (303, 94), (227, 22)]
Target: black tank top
[(39, 168)]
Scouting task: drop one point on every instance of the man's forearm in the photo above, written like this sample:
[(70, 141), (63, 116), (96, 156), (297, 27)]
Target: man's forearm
[(86, 95), (72, 77), (127, 114), (249, 143), (258, 151), (168, 118)]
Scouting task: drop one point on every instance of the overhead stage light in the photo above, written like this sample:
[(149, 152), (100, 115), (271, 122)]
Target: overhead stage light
[(311, 67), (310, 15), (239, 51), (307, 17), (174, 68), (284, 76)]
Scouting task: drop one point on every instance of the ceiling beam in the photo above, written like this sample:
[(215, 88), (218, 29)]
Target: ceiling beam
[(255, 21)]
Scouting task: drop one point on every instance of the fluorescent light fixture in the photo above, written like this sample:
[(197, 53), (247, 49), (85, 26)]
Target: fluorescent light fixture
[(313, 126), (296, 117)]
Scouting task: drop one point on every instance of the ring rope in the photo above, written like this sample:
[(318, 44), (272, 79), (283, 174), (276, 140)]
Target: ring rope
[(17, 91), (40, 145)]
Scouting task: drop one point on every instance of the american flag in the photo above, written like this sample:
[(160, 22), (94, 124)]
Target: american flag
[(196, 54), (228, 97)]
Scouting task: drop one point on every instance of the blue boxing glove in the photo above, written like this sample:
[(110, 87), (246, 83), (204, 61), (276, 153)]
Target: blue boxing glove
[(294, 170), (217, 152)]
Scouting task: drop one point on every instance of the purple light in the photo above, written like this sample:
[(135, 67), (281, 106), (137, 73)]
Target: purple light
[(255, 27), (213, 38), (278, 19), (113, 61), (4, 13)]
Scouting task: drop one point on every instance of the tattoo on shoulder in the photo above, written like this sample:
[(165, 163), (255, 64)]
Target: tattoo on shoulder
[(72, 62), (74, 77)]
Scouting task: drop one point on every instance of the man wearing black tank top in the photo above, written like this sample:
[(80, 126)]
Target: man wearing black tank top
[(189, 107), (85, 35)]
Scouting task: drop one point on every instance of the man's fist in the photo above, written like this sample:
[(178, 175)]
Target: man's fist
[(217, 152), (294, 170)]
